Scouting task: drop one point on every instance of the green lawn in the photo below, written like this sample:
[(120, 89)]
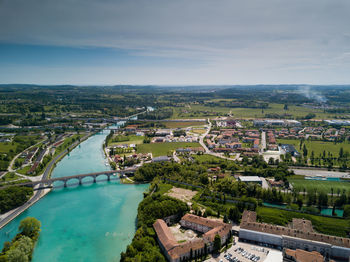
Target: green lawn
[(325, 225), (24, 170), (206, 158), (9, 177), (161, 149), (321, 186), (5, 147), (318, 146)]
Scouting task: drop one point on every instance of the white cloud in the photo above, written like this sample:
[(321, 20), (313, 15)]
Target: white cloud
[(272, 40)]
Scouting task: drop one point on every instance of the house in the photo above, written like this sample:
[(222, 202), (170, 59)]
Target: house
[(256, 143)]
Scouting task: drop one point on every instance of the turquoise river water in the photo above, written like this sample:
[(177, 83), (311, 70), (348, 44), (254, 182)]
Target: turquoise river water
[(92, 222)]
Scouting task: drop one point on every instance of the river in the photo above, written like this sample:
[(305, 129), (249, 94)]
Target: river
[(92, 222)]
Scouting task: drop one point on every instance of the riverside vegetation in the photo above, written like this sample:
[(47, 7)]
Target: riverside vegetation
[(225, 197), (21, 248)]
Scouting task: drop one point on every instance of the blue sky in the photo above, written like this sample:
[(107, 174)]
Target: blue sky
[(183, 42)]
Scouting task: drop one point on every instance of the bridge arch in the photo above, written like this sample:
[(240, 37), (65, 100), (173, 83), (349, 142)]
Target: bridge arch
[(72, 181), (87, 179)]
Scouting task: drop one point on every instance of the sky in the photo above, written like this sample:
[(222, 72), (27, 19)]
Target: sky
[(175, 42)]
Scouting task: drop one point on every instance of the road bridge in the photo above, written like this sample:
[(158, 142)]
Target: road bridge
[(49, 182)]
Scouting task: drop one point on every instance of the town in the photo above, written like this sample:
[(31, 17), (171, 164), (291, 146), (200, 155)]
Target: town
[(221, 185)]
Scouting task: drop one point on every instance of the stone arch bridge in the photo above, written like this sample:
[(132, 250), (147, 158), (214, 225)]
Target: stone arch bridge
[(46, 183)]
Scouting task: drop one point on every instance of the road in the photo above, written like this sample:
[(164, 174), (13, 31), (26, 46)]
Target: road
[(201, 138), (263, 141), (41, 192), (14, 159)]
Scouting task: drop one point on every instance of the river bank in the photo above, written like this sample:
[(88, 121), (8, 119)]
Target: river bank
[(92, 222), (12, 214)]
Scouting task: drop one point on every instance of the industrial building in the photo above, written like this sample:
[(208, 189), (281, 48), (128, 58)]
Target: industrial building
[(250, 179)]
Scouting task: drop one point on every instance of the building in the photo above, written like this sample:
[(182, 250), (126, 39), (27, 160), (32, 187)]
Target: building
[(299, 236), (276, 122), (300, 255), (176, 252), (290, 149), (161, 159), (250, 179)]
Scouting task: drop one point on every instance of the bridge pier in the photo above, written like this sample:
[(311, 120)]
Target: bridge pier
[(80, 181), (108, 177), (65, 183), (94, 179)]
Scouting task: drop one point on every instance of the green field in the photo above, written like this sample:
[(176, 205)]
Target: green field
[(181, 124), (196, 111), (320, 186), (318, 146), (206, 158), (24, 170), (161, 149), (133, 139), (9, 177), (325, 225)]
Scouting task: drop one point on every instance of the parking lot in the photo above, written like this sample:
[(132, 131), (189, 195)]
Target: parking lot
[(243, 252)]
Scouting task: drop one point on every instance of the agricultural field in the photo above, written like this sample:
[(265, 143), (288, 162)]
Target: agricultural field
[(182, 124), (161, 149), (199, 131), (325, 225), (320, 186), (318, 146), (199, 111)]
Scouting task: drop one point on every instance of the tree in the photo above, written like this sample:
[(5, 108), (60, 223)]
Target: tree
[(234, 214), (347, 211), (30, 226), (300, 201), (304, 151), (26, 245), (17, 255), (217, 243), (341, 152)]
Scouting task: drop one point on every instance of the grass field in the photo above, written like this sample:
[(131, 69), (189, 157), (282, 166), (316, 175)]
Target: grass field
[(133, 140), (206, 158), (318, 146), (9, 177), (5, 147), (325, 225), (24, 170), (196, 111), (182, 124), (161, 149), (321, 186)]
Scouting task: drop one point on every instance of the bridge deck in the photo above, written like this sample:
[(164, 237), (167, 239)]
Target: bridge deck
[(66, 178)]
